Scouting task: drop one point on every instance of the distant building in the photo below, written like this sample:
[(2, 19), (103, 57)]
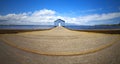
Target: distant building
[(59, 22)]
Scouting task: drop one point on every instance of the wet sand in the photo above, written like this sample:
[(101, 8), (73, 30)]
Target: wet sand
[(59, 46)]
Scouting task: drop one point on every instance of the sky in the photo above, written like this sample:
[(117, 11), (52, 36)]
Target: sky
[(81, 12)]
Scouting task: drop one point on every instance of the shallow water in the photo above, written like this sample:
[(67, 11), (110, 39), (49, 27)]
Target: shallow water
[(92, 27), (26, 26), (74, 27)]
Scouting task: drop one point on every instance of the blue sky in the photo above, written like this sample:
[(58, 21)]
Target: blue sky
[(72, 11)]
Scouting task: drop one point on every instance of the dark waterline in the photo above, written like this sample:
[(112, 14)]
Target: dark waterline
[(91, 27), (19, 27), (73, 27)]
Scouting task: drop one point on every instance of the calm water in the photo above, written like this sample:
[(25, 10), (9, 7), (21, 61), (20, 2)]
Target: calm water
[(26, 27), (51, 26), (92, 27)]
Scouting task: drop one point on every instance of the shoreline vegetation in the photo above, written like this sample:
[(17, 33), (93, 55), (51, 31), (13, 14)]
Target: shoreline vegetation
[(97, 30), (109, 24), (107, 31)]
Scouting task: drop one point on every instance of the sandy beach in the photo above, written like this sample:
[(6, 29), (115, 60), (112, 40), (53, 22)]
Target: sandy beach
[(59, 46)]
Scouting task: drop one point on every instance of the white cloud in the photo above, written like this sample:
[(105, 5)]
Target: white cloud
[(46, 15), (95, 17), (44, 12), (91, 10)]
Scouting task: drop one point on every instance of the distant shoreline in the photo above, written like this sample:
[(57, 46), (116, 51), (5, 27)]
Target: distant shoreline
[(10, 31), (108, 31)]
